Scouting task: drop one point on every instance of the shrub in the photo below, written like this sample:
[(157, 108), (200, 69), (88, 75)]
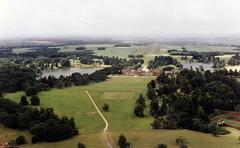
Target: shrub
[(162, 146), (35, 100), (122, 142), (80, 145), (20, 140), (23, 101), (105, 107), (31, 91)]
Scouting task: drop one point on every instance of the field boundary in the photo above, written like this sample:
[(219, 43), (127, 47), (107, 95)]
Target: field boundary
[(105, 130)]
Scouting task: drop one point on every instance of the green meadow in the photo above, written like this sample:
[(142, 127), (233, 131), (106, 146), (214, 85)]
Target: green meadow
[(120, 93)]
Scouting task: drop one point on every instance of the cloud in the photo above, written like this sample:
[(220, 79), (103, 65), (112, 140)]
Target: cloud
[(118, 17)]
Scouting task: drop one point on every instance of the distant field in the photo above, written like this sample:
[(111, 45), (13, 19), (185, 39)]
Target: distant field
[(21, 50), (148, 51), (120, 93)]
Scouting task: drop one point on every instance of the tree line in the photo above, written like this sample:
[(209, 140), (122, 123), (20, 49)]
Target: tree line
[(190, 99)]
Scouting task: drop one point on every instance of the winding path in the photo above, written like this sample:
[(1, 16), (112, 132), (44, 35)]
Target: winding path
[(105, 130)]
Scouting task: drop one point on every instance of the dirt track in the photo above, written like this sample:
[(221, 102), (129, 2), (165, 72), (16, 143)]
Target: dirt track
[(105, 130)]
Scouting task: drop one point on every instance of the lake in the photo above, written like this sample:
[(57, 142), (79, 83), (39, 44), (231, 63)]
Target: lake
[(68, 71)]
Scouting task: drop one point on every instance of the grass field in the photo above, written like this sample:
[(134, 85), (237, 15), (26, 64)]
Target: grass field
[(120, 93)]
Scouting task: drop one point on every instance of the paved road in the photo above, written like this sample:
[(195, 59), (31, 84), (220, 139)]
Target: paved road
[(105, 130)]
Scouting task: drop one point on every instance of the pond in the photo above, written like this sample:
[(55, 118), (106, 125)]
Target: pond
[(194, 65), (68, 71)]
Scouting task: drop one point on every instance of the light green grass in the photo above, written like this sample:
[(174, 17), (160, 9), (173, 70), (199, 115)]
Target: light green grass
[(151, 138), (120, 93)]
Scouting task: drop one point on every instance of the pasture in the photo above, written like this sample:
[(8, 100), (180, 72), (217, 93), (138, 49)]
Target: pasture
[(120, 93)]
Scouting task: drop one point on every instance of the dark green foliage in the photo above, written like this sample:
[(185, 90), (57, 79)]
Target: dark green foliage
[(235, 60), (140, 105), (101, 48), (190, 100), (43, 124), (162, 61), (151, 94), (80, 145), (139, 111), (80, 48), (135, 56), (31, 91), (15, 77), (23, 101), (35, 100), (154, 108), (163, 109), (141, 101), (162, 146), (122, 142), (105, 107), (20, 140), (151, 84)]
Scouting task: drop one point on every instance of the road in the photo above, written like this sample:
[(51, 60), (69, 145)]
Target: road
[(105, 130)]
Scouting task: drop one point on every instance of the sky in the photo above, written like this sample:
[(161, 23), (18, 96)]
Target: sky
[(143, 18)]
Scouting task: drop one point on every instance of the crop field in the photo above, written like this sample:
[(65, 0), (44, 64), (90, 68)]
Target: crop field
[(120, 93)]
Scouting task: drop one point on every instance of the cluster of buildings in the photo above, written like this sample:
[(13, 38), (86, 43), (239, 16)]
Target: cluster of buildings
[(146, 72)]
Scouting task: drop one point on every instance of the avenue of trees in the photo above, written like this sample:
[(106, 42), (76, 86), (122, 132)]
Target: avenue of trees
[(43, 124), (190, 99)]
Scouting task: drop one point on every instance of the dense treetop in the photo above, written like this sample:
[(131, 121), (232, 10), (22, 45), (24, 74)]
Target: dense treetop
[(191, 98)]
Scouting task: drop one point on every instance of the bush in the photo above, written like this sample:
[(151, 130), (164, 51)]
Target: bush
[(35, 100), (80, 145), (122, 142), (23, 101), (105, 107), (31, 91), (20, 140), (162, 146)]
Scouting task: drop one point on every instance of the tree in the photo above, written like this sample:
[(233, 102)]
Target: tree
[(20, 140), (139, 111), (122, 142), (163, 109), (162, 146), (141, 101), (151, 94), (35, 100), (60, 84), (31, 91), (80, 145), (105, 107), (24, 120), (151, 84), (154, 108), (23, 101)]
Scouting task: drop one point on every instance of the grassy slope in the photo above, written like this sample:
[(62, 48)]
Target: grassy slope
[(120, 93)]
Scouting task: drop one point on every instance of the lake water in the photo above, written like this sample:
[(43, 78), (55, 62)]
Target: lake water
[(195, 65), (68, 71)]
